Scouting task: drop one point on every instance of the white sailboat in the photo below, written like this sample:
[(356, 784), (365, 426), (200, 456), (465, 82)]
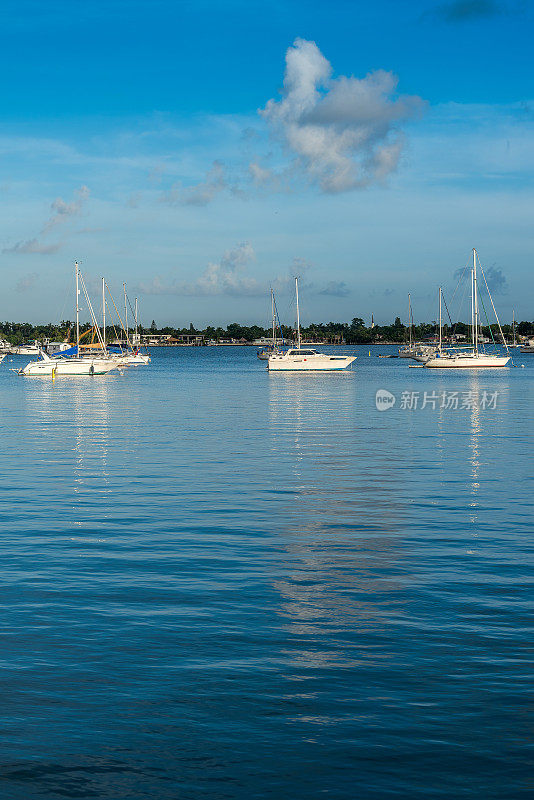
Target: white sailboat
[(131, 357), (65, 365), (306, 359), (136, 358), (515, 343), (268, 350), (408, 351), (471, 358), (418, 351)]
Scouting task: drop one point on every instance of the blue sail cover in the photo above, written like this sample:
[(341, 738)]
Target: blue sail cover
[(72, 351)]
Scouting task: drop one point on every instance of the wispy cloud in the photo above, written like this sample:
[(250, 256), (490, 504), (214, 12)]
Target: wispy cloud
[(33, 246), (462, 10), (335, 289), (468, 10), (61, 213), (343, 132), (230, 276), (225, 277), (26, 282), (199, 194)]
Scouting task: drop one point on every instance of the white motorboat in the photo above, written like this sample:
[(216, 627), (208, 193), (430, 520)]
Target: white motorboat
[(133, 359), (419, 351), (473, 357), (29, 349), (306, 359)]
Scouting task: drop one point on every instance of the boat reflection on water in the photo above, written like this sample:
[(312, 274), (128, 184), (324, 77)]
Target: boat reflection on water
[(339, 526), (84, 459)]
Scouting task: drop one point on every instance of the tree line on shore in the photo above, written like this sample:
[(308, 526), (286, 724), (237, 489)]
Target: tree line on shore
[(355, 332)]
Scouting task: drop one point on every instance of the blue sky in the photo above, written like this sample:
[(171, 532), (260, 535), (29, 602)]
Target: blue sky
[(204, 151)]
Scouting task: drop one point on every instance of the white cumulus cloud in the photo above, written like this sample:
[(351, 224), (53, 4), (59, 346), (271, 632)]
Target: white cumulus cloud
[(343, 132)]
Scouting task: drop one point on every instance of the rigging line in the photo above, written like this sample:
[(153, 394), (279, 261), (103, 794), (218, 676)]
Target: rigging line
[(95, 324), (460, 279), (446, 306), (493, 306), (487, 320), (460, 308), (277, 318), (131, 308), (111, 324), (119, 316)]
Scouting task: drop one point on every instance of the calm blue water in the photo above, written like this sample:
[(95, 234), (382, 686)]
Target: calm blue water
[(222, 583)]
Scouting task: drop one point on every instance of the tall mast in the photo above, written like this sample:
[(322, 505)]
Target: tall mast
[(136, 342), (440, 319), (410, 319), (475, 299), (104, 310), (298, 315), (472, 312), (125, 314), (77, 309), (513, 324), (272, 312)]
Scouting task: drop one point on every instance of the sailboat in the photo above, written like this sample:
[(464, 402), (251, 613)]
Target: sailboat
[(514, 343), (408, 351), (418, 351), (473, 357), (265, 352), (132, 355), (306, 359), (69, 362)]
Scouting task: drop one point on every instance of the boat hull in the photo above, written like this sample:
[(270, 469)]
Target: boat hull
[(467, 362), (64, 368), (309, 364), (134, 360)]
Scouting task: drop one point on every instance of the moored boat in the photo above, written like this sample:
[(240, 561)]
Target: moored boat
[(70, 362), (68, 366), (306, 359), (274, 346), (473, 357)]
